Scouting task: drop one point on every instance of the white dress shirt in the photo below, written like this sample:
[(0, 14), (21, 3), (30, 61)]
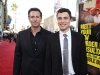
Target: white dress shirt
[(70, 66), (97, 19)]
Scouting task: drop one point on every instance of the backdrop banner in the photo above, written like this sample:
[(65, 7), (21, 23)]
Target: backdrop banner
[(89, 26)]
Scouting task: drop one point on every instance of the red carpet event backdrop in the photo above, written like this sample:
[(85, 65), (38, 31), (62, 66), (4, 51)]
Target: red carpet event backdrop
[(89, 26)]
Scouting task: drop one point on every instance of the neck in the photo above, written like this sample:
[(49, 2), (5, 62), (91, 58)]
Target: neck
[(64, 31), (35, 30)]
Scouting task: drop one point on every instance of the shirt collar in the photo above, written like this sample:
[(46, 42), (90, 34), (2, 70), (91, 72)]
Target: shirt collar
[(67, 33), (40, 32), (37, 32)]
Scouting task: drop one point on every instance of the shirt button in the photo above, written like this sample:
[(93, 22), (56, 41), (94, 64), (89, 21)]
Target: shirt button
[(35, 42), (35, 49)]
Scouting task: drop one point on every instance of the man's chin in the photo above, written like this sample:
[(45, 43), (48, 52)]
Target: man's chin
[(35, 26), (64, 29)]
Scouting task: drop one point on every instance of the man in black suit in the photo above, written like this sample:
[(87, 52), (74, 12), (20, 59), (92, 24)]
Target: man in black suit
[(29, 57), (77, 61)]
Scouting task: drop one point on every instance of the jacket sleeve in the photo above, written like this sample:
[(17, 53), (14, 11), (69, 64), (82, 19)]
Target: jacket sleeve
[(17, 57), (48, 59)]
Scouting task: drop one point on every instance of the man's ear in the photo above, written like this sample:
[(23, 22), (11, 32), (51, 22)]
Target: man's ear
[(71, 20)]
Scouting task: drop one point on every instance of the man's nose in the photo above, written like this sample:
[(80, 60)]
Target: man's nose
[(35, 18), (62, 20)]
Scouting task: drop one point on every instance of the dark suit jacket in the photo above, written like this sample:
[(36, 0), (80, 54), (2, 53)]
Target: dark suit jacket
[(53, 62), (24, 59)]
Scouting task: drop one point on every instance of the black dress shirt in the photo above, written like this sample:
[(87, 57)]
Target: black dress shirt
[(35, 40)]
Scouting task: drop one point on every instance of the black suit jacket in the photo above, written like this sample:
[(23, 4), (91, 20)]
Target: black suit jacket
[(24, 59), (53, 62)]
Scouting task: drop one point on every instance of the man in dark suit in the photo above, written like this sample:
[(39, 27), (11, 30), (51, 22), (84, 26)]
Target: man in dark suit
[(29, 57), (77, 61)]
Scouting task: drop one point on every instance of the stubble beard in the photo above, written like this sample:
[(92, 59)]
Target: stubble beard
[(36, 26)]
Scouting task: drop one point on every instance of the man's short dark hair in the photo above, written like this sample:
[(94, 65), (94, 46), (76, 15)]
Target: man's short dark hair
[(35, 9), (61, 10), (97, 9)]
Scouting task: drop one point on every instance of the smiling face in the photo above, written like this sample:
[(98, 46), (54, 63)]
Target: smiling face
[(35, 19), (97, 12), (63, 21)]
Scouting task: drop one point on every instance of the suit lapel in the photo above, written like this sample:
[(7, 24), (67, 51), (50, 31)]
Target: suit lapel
[(74, 41), (57, 41), (29, 42)]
